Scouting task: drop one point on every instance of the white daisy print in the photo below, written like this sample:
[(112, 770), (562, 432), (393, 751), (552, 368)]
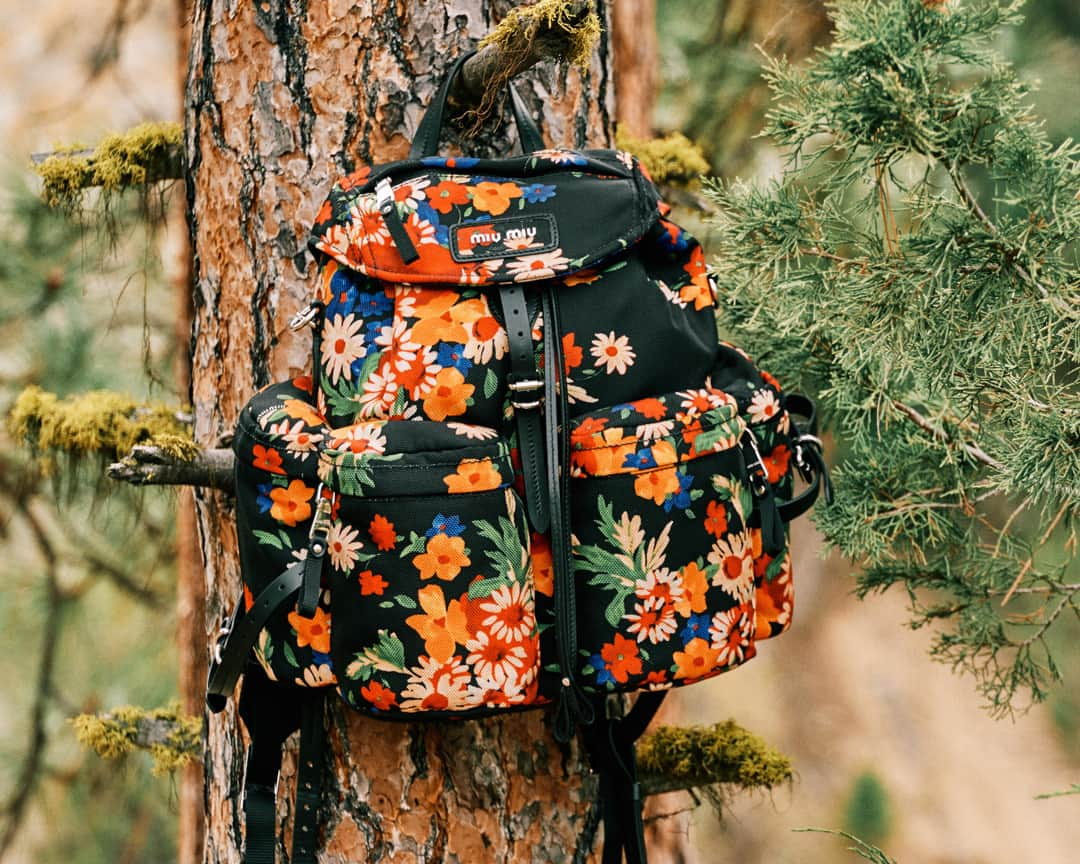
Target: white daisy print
[(343, 342), (344, 545), (764, 406), (612, 352), (360, 438), (298, 440), (476, 433), (542, 266)]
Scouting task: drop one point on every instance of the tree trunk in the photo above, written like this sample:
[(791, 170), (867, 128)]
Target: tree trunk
[(282, 99), (637, 65), (190, 589)]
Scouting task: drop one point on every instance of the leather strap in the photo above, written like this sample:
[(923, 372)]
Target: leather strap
[(610, 744), (574, 706), (525, 385), (271, 715), (309, 780), (426, 140), (242, 632)]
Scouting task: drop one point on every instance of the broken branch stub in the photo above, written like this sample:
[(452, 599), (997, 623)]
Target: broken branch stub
[(147, 465)]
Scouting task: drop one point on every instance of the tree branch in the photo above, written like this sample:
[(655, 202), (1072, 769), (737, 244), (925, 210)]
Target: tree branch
[(172, 738), (15, 808), (152, 466), (495, 63), (973, 450)]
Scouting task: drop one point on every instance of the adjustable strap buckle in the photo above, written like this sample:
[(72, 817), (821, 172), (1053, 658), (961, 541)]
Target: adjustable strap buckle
[(528, 385)]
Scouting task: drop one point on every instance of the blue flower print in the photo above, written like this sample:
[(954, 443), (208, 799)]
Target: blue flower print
[(373, 304), (452, 355), (449, 161), (449, 525), (603, 673), (697, 627), (537, 192), (641, 459), (264, 500), (680, 499)]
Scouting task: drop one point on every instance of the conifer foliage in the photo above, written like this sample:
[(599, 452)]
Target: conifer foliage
[(917, 265)]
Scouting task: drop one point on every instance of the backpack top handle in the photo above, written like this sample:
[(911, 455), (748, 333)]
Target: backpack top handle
[(426, 141)]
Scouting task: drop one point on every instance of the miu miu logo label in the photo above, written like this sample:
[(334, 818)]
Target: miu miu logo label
[(504, 238)]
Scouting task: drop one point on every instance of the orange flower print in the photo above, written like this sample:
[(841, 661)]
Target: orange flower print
[(357, 178), (291, 505), (494, 198), (776, 463), (378, 696), (372, 583), (542, 564), (473, 475), (654, 409), (299, 410), (268, 459), (716, 519), (441, 626), (622, 658), (572, 354), (698, 293), (382, 533), (586, 429), (697, 660), (695, 585), (448, 397), (447, 195), (657, 485), (443, 557), (312, 631)]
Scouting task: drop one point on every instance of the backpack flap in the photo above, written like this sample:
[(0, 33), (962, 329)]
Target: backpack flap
[(463, 221)]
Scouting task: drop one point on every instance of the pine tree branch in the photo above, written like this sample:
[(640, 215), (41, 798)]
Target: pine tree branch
[(973, 450), (14, 809), (152, 466), (172, 738)]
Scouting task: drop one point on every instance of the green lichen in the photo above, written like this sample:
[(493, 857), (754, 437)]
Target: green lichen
[(673, 159), (706, 755), (146, 153), (517, 32), (98, 422), (173, 739)]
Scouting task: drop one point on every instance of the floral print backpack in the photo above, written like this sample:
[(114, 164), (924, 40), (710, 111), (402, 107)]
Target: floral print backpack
[(524, 470)]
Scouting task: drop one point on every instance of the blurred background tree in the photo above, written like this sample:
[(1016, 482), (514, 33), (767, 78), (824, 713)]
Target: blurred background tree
[(846, 689)]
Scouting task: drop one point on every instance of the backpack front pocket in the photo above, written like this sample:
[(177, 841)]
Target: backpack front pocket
[(430, 573), (662, 552)]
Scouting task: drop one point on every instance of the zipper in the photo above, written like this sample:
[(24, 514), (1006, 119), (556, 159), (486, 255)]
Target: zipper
[(311, 584), (384, 200)]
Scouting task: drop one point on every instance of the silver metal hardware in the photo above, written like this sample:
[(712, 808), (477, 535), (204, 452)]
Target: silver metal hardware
[(304, 317), (525, 386), (320, 524), (760, 477), (223, 636), (384, 195)]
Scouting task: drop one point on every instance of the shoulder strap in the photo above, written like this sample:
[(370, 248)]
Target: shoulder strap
[(610, 744), (271, 715)]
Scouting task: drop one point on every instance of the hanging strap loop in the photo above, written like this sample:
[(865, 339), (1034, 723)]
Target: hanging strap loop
[(426, 141)]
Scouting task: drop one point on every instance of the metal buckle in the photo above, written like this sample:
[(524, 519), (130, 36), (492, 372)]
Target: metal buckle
[(529, 385), (304, 317)]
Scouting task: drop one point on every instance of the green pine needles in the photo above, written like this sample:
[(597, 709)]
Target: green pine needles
[(917, 266)]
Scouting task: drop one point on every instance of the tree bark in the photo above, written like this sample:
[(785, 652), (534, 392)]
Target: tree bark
[(282, 99), (637, 65)]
